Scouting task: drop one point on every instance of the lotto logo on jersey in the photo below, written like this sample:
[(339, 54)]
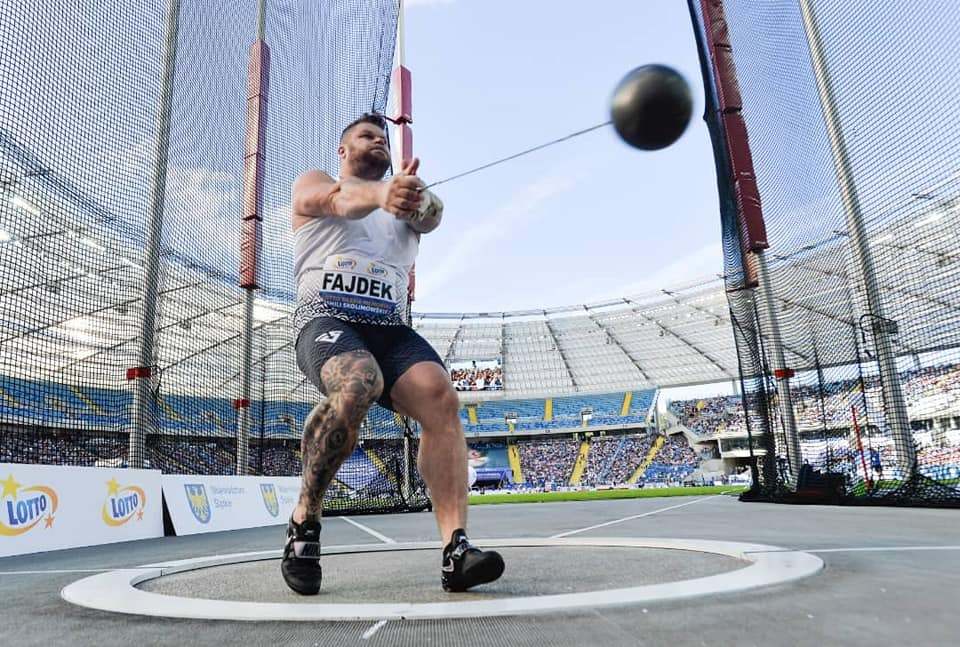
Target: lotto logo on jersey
[(345, 263), (25, 507), (123, 503), (376, 270)]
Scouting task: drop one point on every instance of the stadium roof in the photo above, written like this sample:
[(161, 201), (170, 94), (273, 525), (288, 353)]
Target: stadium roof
[(665, 339)]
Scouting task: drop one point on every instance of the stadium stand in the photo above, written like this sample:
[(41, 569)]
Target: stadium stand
[(632, 454), (550, 414), (675, 460), (612, 460), (478, 379), (548, 463), (80, 423), (707, 417), (603, 451), (929, 392), (282, 459)]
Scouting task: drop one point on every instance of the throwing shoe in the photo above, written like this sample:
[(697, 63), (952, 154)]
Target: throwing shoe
[(465, 566), (301, 557)]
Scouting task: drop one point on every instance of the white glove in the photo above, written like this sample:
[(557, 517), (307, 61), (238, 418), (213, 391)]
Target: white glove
[(428, 216)]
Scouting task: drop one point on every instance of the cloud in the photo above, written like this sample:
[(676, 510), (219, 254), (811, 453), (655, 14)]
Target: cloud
[(522, 207)]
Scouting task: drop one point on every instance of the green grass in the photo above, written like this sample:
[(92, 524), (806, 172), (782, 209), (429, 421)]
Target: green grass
[(860, 489), (887, 485), (589, 495)]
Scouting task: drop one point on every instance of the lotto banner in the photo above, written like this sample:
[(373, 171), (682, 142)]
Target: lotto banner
[(47, 507), (210, 503)]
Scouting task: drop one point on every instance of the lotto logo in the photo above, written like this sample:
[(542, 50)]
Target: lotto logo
[(25, 507), (123, 502)]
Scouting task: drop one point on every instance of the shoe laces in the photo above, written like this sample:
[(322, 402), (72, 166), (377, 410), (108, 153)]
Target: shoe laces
[(462, 548)]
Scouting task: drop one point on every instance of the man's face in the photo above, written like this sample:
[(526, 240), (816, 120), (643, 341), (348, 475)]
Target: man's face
[(364, 151)]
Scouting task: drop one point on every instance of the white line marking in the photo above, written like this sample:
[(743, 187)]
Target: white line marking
[(369, 531), (116, 591), (66, 571), (368, 634), (60, 572), (636, 516), (876, 549)]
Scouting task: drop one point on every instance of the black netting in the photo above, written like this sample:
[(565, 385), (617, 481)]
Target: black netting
[(81, 125), (848, 340)]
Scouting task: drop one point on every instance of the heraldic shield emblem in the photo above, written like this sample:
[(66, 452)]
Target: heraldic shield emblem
[(197, 498), (269, 493)]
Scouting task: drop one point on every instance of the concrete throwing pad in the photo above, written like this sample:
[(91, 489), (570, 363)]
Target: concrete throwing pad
[(394, 581), (414, 575)]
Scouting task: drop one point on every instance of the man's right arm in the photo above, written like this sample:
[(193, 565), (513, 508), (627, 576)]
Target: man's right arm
[(317, 195)]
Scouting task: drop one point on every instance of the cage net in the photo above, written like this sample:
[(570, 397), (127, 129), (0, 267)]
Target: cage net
[(847, 326), (84, 167)]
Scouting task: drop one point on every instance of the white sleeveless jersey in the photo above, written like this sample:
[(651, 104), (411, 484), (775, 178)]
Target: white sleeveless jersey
[(355, 270)]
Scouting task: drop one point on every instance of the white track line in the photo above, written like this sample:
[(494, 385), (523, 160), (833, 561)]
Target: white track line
[(870, 549), (61, 572), (368, 634), (636, 516), (369, 531), (67, 571)]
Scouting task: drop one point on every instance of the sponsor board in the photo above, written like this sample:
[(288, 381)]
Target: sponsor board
[(211, 503), (47, 507)]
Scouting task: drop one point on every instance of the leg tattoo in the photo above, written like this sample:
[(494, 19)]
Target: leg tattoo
[(353, 382)]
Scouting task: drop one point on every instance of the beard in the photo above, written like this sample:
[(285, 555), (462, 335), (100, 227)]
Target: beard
[(371, 166)]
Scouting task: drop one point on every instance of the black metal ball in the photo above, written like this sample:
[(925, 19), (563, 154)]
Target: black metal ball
[(651, 107)]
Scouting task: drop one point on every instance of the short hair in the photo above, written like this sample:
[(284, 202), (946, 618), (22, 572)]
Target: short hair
[(366, 118)]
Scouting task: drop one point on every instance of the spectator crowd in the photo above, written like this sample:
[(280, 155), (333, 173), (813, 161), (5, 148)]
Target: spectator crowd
[(548, 462), (477, 379), (927, 391)]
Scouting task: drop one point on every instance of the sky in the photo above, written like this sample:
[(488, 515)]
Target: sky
[(584, 220)]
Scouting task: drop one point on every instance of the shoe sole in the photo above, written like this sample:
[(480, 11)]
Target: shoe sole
[(483, 572), (302, 590)]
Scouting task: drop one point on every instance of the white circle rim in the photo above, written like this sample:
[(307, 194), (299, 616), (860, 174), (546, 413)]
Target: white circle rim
[(116, 591)]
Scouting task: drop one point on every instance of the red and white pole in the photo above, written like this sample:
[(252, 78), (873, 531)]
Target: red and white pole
[(402, 148), (402, 116), (254, 159)]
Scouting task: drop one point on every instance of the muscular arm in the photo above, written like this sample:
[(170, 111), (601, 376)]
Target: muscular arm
[(317, 195)]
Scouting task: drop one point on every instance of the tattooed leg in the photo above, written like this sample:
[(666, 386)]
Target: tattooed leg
[(353, 382)]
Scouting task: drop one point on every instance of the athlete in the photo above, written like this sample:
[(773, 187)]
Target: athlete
[(356, 239)]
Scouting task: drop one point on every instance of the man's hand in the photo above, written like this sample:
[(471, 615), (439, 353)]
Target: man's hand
[(401, 193), (428, 216)]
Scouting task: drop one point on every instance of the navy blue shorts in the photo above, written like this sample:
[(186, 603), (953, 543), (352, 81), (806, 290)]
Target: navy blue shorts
[(396, 348)]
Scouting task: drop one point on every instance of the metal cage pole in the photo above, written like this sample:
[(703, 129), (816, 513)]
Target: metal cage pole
[(251, 222), (143, 398), (781, 372), (739, 188), (894, 403), (242, 404)]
